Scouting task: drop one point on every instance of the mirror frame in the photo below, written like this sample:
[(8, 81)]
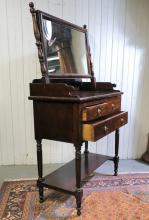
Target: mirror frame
[(37, 17)]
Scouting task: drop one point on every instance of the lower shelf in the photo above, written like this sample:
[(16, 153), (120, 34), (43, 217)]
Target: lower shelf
[(64, 178)]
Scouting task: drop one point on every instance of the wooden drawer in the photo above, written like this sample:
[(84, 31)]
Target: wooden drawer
[(100, 128), (96, 111)]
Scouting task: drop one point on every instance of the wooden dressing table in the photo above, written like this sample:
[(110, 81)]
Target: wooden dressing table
[(68, 109)]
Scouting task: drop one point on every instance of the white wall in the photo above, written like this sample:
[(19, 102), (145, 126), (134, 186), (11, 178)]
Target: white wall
[(119, 39)]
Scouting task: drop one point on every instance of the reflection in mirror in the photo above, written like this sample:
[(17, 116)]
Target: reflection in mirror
[(65, 49)]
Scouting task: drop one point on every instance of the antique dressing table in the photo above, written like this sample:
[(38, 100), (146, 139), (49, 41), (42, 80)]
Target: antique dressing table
[(69, 105)]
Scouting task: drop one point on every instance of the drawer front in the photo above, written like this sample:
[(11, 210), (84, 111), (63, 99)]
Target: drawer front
[(96, 111), (100, 128)]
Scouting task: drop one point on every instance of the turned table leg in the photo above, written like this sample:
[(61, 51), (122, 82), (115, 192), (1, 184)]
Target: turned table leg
[(40, 170), (86, 148), (116, 157), (79, 191)]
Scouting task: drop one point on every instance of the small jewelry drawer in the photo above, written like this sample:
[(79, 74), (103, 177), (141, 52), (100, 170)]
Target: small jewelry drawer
[(96, 111), (100, 128)]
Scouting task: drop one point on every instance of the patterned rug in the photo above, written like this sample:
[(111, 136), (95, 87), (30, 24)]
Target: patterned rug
[(125, 197)]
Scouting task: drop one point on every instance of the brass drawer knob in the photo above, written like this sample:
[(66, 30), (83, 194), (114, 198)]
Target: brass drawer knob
[(99, 111), (106, 129), (113, 106), (122, 121)]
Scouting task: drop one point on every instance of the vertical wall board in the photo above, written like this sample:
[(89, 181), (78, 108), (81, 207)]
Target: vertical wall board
[(97, 41), (133, 18), (78, 12), (112, 5), (89, 10), (143, 89), (121, 42), (103, 34), (29, 73), (120, 61), (17, 80), (115, 37), (55, 8), (82, 12), (111, 11), (102, 60), (6, 121), (130, 53), (69, 10), (91, 27), (126, 59)]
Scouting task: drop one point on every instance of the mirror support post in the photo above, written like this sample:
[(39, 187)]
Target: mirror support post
[(93, 79), (38, 43)]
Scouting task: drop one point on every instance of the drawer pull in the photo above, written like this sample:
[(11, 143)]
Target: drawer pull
[(99, 111), (106, 129), (122, 121), (113, 107), (95, 130)]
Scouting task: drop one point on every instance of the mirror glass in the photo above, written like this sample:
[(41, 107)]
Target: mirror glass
[(65, 49)]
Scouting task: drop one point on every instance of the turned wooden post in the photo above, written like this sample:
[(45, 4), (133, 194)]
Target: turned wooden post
[(86, 148), (145, 156), (116, 157), (40, 170), (79, 191)]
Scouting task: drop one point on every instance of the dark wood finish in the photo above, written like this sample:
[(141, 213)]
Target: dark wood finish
[(59, 117), (93, 131), (59, 107), (40, 169), (86, 151), (79, 191), (75, 94), (39, 43), (106, 108), (54, 76), (116, 157), (53, 89), (54, 121), (145, 156), (64, 178)]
